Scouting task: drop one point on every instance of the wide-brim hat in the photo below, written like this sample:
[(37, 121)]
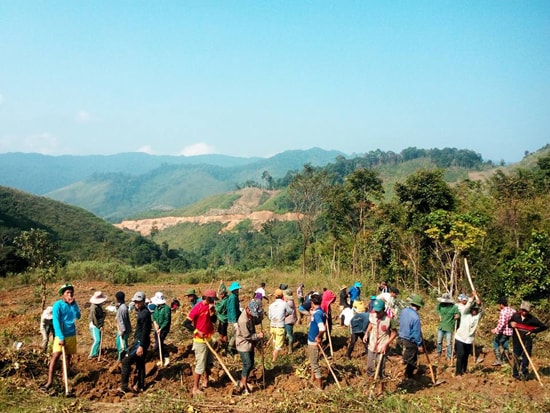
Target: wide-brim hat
[(234, 286), (64, 288), (158, 298), (416, 300), (287, 293), (98, 298), (446, 298), (190, 291)]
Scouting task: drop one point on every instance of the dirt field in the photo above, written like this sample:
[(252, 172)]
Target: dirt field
[(484, 388)]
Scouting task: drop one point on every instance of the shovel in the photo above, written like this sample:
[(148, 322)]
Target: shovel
[(100, 343), (432, 373), (221, 362), (65, 372), (329, 366)]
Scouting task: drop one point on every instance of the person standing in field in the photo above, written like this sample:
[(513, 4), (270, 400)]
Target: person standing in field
[(448, 320), (65, 312), (201, 321), (278, 311), (410, 334), (465, 334), (221, 312), (316, 331), (97, 318), (246, 339), (124, 327), (46, 327), (233, 313), (162, 320), (526, 326), (138, 351), (290, 319), (503, 332)]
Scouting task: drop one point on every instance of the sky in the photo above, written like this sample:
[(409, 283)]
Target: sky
[(256, 78)]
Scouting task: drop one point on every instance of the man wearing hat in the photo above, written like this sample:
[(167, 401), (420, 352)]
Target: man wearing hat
[(503, 332), (162, 319), (97, 318), (201, 321), (465, 334), (390, 300), (65, 312), (380, 332), (138, 351), (448, 318), (410, 334), (525, 325), (354, 292), (192, 297), (247, 338), (124, 327), (233, 313), (278, 311), (221, 312)]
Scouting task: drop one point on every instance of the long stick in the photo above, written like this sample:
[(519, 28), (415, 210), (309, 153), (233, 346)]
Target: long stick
[(65, 373), (429, 364), (377, 371), (528, 357), (329, 366), (160, 349), (453, 342), (469, 276), (100, 344), (221, 362), (329, 339)]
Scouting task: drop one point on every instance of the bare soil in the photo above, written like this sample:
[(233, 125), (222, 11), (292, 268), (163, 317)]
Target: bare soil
[(96, 381)]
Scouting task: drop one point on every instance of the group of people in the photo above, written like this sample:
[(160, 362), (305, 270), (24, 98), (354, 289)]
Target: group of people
[(152, 315), (377, 323)]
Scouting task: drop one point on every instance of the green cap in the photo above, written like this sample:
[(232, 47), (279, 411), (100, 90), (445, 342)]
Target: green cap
[(64, 288)]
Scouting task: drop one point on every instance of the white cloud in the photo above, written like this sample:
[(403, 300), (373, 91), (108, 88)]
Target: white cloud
[(199, 148), (83, 116), (146, 149)]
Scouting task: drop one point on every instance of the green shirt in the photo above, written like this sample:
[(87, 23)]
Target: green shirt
[(163, 317), (446, 312)]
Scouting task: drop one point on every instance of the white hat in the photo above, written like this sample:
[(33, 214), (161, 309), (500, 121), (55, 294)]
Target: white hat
[(158, 298), (98, 298)]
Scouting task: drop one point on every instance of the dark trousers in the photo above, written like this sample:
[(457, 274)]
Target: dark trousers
[(353, 339), (520, 358), (410, 357), (139, 361), (463, 351)]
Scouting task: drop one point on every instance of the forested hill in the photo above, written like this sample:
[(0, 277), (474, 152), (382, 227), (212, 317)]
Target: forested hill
[(77, 234)]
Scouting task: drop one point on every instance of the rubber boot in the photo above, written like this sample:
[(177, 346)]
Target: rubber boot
[(290, 343)]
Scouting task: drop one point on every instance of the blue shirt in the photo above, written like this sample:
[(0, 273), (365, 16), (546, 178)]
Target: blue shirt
[(64, 316), (354, 293), (409, 326), (316, 325)]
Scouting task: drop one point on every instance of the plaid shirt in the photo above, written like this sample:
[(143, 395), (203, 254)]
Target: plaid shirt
[(503, 320)]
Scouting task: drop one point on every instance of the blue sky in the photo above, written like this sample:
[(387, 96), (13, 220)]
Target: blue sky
[(255, 78)]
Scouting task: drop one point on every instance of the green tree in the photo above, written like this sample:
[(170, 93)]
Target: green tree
[(35, 247)]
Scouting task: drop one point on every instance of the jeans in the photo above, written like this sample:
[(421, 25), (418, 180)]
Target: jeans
[(448, 339), (247, 357), (503, 341), (133, 358)]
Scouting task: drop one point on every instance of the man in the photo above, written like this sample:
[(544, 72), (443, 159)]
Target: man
[(343, 296), (358, 326), (410, 334), (503, 332), (278, 311), (380, 332), (389, 298), (97, 319), (233, 313), (354, 292), (462, 301), (448, 318), (138, 351), (201, 321), (246, 339), (315, 337), (65, 312), (260, 293), (525, 325), (192, 297), (46, 327), (465, 334), (221, 313), (162, 319), (124, 327)]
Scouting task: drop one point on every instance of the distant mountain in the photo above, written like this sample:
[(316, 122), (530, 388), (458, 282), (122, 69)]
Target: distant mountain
[(118, 186)]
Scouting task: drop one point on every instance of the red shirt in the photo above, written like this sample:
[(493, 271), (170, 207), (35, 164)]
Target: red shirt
[(200, 316)]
